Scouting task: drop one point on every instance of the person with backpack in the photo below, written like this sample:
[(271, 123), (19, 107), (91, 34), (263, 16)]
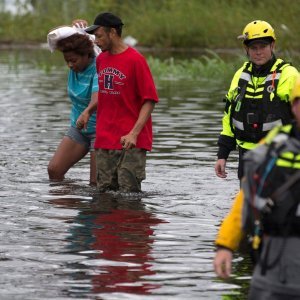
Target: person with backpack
[(258, 97), (267, 211)]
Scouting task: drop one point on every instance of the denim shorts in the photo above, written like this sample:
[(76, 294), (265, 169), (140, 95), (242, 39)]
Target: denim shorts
[(87, 140)]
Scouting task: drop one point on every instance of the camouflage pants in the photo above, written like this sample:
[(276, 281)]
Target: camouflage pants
[(121, 170)]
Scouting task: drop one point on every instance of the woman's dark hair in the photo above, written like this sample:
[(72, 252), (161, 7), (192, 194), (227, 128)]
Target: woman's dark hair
[(77, 43)]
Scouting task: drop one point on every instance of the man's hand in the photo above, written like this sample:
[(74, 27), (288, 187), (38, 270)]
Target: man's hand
[(220, 168), (222, 263), (128, 141), (79, 23)]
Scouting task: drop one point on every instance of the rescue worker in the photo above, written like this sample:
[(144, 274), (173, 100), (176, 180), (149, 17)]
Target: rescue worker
[(258, 97), (267, 209)]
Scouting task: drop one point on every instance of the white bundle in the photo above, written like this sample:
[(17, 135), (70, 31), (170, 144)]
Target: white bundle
[(65, 31)]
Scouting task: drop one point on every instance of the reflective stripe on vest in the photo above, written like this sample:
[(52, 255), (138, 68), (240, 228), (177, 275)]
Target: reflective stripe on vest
[(257, 92), (237, 124), (257, 108), (265, 127), (289, 160), (268, 126), (247, 77)]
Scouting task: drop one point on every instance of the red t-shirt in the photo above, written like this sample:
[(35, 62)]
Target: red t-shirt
[(125, 82)]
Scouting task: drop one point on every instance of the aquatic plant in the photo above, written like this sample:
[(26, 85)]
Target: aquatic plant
[(208, 66)]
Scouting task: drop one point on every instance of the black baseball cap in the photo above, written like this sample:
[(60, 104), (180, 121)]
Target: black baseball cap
[(106, 20)]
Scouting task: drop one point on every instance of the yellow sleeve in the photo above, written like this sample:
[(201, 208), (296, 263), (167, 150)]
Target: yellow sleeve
[(230, 232), (286, 82)]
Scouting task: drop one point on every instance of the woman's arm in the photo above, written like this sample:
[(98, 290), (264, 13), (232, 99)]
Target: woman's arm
[(83, 119)]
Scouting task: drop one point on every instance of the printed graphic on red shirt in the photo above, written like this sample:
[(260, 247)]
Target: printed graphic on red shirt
[(111, 77), (125, 83)]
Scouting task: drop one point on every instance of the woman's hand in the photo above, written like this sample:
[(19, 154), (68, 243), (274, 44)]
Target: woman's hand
[(83, 120)]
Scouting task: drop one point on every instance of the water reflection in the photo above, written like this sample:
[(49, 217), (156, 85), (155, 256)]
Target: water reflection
[(116, 233)]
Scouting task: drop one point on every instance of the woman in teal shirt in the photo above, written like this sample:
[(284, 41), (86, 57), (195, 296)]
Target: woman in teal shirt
[(79, 54)]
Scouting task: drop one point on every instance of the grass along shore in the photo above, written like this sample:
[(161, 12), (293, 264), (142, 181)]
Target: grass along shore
[(168, 24)]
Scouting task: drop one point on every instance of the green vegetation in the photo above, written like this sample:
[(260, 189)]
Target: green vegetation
[(207, 66), (161, 23), (183, 27)]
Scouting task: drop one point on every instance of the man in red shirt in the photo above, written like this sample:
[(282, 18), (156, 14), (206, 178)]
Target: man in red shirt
[(127, 96)]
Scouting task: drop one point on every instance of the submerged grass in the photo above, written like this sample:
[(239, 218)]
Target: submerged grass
[(210, 66)]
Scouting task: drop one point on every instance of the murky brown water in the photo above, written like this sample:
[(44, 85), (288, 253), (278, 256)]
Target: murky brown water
[(63, 241)]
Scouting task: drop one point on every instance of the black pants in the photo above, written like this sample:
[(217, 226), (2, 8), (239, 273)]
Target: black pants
[(242, 151), (260, 294)]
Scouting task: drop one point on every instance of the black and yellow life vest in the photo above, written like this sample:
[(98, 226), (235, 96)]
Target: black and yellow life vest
[(256, 110), (272, 184)]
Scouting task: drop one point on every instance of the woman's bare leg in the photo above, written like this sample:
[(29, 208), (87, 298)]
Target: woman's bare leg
[(67, 154)]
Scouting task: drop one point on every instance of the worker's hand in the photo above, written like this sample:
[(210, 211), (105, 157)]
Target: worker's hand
[(79, 23), (222, 263), (128, 141), (220, 168)]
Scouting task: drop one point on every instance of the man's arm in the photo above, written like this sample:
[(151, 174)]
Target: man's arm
[(226, 143), (229, 237), (129, 141)]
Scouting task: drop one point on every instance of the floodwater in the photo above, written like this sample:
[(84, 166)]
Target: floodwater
[(65, 241)]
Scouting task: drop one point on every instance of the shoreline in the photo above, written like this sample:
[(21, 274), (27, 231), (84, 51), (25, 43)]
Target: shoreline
[(155, 50), (38, 45)]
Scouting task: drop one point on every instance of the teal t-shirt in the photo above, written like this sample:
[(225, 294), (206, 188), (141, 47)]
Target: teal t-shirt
[(80, 88)]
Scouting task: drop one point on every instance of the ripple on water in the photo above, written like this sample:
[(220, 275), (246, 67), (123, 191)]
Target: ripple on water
[(65, 241)]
